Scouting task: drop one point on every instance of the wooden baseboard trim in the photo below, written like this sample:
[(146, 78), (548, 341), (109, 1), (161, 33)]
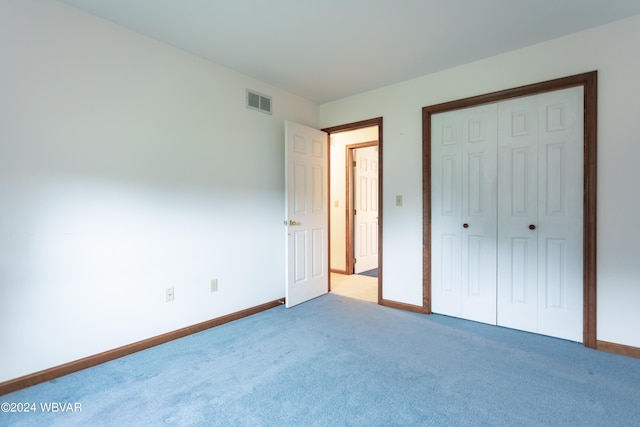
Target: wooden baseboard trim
[(625, 350), (97, 359), (403, 306)]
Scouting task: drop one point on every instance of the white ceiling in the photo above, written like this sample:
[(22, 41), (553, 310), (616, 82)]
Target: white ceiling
[(328, 49)]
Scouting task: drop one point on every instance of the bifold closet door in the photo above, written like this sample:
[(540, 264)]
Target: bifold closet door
[(463, 213), (540, 182)]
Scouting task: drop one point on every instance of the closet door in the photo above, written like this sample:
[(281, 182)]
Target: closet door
[(464, 213), (540, 154), (518, 214), (446, 213), (479, 213), (560, 214)]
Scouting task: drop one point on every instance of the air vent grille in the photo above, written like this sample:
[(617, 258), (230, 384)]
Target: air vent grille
[(258, 101)]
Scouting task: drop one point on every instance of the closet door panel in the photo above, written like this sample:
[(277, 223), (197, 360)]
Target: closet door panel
[(446, 190), (479, 222), (517, 212), (560, 214)]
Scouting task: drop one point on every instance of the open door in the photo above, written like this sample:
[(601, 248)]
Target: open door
[(365, 203), (307, 218)]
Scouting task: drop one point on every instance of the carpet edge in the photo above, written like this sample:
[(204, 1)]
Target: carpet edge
[(116, 353)]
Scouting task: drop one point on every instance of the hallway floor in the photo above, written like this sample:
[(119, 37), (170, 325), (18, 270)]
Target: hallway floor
[(355, 286)]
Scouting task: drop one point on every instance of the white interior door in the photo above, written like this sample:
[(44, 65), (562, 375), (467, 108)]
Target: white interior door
[(365, 178), (479, 214), (540, 239), (518, 209), (446, 213), (507, 213), (560, 215), (463, 213), (307, 228)]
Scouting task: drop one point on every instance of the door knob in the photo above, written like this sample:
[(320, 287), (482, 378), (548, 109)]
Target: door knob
[(532, 227), (292, 222), (465, 225)]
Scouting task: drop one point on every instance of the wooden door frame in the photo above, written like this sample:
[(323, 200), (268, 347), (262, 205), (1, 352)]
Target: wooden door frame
[(355, 126), (350, 229), (589, 81)]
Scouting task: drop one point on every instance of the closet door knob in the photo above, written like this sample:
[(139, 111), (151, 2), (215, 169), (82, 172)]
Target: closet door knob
[(465, 225), (532, 227)]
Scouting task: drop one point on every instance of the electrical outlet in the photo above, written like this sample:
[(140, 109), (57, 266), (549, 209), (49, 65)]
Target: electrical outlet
[(399, 200), (169, 295), (213, 286)]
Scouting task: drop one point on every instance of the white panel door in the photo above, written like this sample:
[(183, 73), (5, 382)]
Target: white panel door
[(365, 179), (307, 266), (463, 216), (506, 213), (560, 214), (540, 209), (446, 213), (517, 210), (479, 214)]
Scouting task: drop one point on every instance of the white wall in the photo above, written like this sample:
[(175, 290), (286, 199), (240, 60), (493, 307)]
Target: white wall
[(126, 167), (610, 49)]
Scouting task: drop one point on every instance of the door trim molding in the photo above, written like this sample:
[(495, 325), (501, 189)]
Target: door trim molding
[(589, 81), (354, 126)]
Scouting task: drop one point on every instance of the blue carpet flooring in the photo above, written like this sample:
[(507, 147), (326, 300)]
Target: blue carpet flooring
[(370, 273), (336, 361)]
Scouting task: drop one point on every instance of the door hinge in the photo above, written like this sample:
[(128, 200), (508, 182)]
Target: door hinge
[(355, 212), (355, 260), (354, 163)]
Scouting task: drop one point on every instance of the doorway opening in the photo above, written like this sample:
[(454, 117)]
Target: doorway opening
[(355, 211)]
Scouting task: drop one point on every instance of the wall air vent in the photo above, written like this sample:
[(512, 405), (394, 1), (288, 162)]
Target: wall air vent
[(258, 101)]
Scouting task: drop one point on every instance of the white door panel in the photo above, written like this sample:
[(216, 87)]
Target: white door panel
[(464, 213), (479, 224), (446, 213), (306, 213), (540, 176), (517, 285), (511, 174), (560, 215), (366, 206)]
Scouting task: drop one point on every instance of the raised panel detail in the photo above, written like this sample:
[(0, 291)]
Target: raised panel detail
[(520, 182), (448, 193), (317, 189), (449, 135), (300, 188), (555, 274), (362, 235), (300, 144), (373, 194), (555, 185), (477, 131), (520, 124), (449, 256), (318, 249), (316, 148), (474, 265), (519, 257), (476, 183), (363, 205), (556, 120), (300, 249), (372, 233)]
